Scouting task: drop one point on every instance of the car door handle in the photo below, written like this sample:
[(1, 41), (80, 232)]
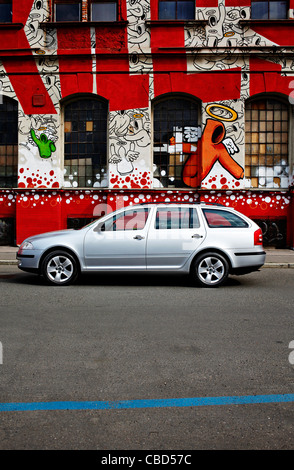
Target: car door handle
[(196, 235), (138, 237)]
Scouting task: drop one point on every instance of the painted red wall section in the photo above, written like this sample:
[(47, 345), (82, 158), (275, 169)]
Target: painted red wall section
[(167, 36), (26, 81), (201, 84), (37, 213), (124, 91), (207, 3), (281, 34), (75, 72), (21, 10), (236, 3), (266, 77)]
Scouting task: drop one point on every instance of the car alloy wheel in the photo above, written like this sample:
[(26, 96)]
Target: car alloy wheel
[(60, 268), (211, 269)]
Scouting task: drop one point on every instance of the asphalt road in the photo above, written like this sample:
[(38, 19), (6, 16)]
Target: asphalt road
[(117, 338)]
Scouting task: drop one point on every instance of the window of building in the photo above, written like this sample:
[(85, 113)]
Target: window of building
[(67, 10), (5, 11), (85, 143), (8, 142), (176, 134), (103, 11), (266, 149), (269, 9), (176, 10)]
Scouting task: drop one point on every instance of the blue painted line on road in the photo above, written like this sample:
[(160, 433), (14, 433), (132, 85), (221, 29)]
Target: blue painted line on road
[(135, 404)]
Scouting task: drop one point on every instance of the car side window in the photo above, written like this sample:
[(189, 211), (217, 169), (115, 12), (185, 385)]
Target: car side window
[(220, 218), (129, 220), (176, 218)]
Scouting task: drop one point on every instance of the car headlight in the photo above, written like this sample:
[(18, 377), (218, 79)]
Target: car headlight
[(26, 246)]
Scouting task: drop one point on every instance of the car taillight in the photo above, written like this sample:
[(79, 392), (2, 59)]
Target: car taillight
[(258, 237)]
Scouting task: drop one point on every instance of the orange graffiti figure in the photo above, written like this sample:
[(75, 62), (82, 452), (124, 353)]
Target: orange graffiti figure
[(210, 150)]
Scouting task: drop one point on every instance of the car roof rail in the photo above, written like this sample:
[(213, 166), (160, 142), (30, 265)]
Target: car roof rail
[(178, 203)]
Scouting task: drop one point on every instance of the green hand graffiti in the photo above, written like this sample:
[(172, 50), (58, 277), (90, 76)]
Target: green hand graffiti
[(45, 146)]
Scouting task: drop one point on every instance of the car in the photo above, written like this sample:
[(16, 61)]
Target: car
[(207, 241)]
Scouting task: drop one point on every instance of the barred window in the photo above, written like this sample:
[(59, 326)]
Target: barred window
[(85, 143), (8, 142), (266, 149), (176, 134)]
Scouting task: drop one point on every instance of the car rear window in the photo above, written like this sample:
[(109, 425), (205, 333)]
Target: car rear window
[(176, 218), (220, 218)]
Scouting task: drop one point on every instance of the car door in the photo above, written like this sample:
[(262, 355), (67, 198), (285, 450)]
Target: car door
[(119, 242), (174, 234)]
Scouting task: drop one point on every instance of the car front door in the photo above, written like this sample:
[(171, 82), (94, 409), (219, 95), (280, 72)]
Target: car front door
[(173, 236), (118, 243)]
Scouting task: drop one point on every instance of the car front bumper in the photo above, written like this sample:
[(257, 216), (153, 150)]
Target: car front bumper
[(28, 260)]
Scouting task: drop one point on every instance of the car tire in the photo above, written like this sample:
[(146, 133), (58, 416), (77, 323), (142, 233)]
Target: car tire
[(210, 269), (60, 268)]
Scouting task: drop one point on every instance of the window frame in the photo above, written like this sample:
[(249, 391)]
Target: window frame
[(264, 156), (157, 101), (7, 2), (13, 156), (68, 2), (91, 2), (268, 10), (176, 10), (102, 164)]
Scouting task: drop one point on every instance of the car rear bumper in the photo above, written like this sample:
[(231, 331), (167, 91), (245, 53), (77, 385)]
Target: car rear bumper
[(247, 260)]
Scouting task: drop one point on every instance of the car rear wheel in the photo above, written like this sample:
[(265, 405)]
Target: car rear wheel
[(60, 268), (210, 269)]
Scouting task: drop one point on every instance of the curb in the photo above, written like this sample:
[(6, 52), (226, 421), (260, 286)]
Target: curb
[(278, 265), (8, 262)]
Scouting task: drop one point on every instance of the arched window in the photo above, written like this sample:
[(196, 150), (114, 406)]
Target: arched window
[(85, 142), (266, 150), (8, 142), (175, 136)]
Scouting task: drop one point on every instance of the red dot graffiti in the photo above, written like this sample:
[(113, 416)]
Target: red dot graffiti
[(39, 181)]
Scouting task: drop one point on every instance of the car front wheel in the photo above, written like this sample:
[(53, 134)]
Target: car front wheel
[(210, 269), (60, 268)]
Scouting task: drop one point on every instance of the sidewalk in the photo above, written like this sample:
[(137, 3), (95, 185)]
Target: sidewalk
[(274, 258)]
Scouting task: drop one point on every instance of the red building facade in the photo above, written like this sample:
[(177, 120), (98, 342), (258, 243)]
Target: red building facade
[(107, 104)]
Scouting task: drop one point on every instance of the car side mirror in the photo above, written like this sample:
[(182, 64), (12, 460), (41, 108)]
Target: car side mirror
[(100, 227)]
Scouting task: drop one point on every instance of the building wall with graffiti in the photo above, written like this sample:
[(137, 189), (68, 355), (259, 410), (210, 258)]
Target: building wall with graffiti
[(145, 104)]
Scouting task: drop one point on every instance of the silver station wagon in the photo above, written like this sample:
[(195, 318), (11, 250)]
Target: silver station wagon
[(209, 242)]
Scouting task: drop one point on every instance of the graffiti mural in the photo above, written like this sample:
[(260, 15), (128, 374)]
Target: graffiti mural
[(130, 139)]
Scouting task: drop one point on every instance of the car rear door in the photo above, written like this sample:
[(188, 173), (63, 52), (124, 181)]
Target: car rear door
[(174, 234)]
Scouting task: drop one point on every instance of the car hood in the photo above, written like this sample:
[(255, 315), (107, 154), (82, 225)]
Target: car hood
[(57, 233)]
